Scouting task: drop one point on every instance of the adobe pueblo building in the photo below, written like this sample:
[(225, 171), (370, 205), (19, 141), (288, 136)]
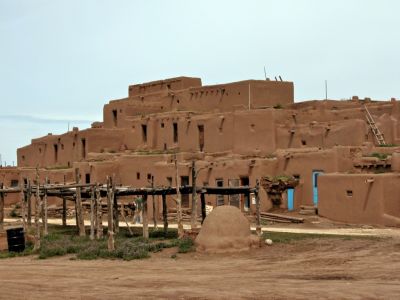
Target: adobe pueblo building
[(342, 154)]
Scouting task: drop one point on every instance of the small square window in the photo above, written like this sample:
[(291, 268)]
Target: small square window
[(349, 193)]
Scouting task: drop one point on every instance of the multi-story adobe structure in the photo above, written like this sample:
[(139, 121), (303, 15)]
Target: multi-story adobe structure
[(237, 133)]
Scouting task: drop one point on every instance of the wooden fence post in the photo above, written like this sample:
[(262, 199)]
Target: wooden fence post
[(99, 216), (110, 196), (78, 201), (45, 232), (1, 207), (203, 207), (23, 206), (145, 218), (115, 208), (258, 215), (37, 214), (64, 208), (92, 213), (178, 200), (193, 217), (29, 203), (165, 213), (155, 211)]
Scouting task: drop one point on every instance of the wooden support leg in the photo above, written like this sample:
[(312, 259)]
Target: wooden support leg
[(92, 214), (110, 197), (23, 206), (45, 205), (165, 214), (258, 215), (115, 214), (1, 208), (203, 207), (79, 212), (64, 211), (145, 218), (37, 215), (29, 203), (99, 228)]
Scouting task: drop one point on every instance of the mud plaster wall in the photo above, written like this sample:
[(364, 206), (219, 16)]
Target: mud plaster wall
[(364, 199)]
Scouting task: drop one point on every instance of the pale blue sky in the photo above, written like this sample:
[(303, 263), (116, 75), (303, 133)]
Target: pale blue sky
[(61, 61)]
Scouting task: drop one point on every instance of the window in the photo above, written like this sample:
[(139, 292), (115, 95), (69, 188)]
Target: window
[(169, 180), (55, 152), (201, 137), (138, 175), (220, 198), (144, 133), (162, 125), (149, 176), (87, 178), (349, 193), (115, 117), (14, 183), (303, 142), (185, 197), (83, 148), (175, 126)]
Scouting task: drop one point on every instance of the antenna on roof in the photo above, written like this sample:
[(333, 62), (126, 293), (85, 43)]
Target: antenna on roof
[(276, 79), (326, 89), (280, 78), (265, 73)]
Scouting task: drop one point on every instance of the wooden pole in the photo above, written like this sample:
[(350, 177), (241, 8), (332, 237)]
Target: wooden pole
[(178, 200), (23, 206), (78, 201), (99, 223), (115, 209), (165, 214), (126, 221), (111, 245), (64, 208), (145, 218), (203, 207), (155, 212), (1, 207), (45, 213), (64, 211), (92, 213), (37, 214), (258, 215), (29, 203), (193, 217)]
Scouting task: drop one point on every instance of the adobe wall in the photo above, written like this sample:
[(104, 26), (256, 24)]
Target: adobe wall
[(360, 198)]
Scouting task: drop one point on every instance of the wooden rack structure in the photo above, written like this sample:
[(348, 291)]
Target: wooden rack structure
[(95, 193)]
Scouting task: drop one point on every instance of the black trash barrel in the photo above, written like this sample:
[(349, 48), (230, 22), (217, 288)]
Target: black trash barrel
[(16, 239)]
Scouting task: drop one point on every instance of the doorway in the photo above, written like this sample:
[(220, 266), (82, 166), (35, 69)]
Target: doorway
[(290, 199), (315, 175), (244, 181)]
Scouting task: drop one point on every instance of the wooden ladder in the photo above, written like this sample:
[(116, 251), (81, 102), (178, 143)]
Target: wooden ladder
[(375, 130)]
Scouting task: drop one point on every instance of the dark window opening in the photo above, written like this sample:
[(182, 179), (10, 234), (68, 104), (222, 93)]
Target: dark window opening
[(201, 137), (87, 178), (296, 176), (303, 142), (55, 152), (169, 180), (165, 147), (162, 125), (115, 117), (149, 176), (14, 183), (83, 148), (144, 133), (245, 181), (185, 197), (220, 198), (349, 193), (175, 125), (138, 175)]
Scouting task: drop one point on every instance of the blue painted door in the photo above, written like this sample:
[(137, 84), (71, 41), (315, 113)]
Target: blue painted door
[(290, 199), (315, 175)]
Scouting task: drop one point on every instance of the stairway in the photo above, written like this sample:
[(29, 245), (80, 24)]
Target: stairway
[(375, 130)]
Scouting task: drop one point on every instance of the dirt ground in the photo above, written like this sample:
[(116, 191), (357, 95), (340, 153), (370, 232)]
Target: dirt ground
[(323, 268)]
